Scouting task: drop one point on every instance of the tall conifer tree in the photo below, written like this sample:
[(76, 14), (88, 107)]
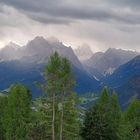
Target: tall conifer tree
[(18, 112)]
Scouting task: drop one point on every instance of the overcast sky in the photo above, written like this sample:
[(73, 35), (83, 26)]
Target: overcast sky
[(99, 23)]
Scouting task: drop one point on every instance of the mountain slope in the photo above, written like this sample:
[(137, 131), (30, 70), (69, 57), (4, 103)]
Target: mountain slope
[(125, 81), (28, 67), (10, 52), (29, 73), (105, 63), (124, 73), (129, 91)]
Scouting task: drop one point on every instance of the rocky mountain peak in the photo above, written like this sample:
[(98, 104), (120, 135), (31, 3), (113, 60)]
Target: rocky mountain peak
[(83, 52)]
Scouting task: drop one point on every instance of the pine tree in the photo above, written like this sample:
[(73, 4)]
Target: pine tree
[(39, 126), (93, 124), (3, 104), (132, 121), (61, 102), (52, 79), (71, 123), (66, 88), (102, 121), (114, 117), (17, 115), (104, 98)]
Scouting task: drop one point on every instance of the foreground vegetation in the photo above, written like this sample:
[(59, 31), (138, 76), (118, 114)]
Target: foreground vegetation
[(57, 114), (105, 120)]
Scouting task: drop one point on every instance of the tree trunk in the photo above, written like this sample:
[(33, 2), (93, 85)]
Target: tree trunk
[(62, 118), (53, 118)]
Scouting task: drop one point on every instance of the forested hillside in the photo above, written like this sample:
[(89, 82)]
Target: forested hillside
[(59, 114)]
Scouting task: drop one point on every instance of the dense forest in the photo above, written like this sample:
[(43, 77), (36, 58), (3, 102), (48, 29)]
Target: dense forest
[(56, 115)]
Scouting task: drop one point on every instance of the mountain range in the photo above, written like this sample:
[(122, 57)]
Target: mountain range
[(116, 68), (37, 50), (126, 81), (106, 62), (26, 65)]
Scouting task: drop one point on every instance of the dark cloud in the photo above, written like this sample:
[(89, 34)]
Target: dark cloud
[(43, 18), (61, 12), (126, 3), (99, 22)]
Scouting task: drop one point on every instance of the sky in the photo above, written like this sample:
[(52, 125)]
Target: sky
[(100, 23)]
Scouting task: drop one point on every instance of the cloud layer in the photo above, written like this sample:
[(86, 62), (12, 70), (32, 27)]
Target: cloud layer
[(102, 24)]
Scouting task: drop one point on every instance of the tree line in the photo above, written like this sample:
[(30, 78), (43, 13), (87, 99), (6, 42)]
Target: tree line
[(106, 121), (56, 114)]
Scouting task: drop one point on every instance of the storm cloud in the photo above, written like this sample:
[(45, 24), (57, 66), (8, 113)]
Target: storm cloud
[(100, 23), (60, 11)]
